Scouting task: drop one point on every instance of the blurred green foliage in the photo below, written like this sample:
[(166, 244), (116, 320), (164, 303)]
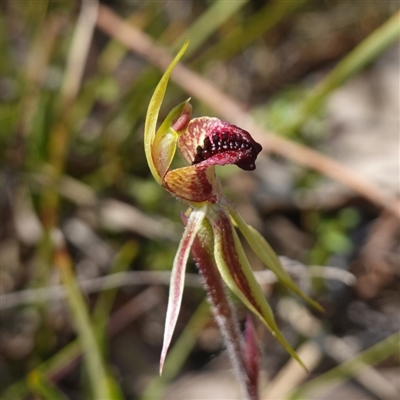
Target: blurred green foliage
[(333, 234), (68, 155)]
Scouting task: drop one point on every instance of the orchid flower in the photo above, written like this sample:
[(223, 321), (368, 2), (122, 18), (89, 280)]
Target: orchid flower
[(211, 222)]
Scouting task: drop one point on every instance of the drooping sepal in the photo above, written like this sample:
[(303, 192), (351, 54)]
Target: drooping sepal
[(222, 309), (238, 275), (267, 255), (178, 277)]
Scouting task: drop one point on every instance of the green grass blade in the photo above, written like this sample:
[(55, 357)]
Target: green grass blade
[(105, 301), (98, 377), (252, 29), (43, 388), (64, 357), (348, 369), (366, 52), (49, 368), (216, 14), (178, 353)]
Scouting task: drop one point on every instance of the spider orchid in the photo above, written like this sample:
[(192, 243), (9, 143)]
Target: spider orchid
[(211, 222)]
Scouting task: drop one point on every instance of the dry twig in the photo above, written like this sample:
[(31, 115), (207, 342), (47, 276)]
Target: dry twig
[(130, 278)]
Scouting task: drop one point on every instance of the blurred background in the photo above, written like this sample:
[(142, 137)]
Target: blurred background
[(78, 203)]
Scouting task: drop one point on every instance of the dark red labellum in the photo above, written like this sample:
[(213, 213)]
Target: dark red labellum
[(230, 138)]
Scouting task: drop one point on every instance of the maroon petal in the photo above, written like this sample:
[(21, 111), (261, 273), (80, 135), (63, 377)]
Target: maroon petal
[(210, 141), (178, 278), (196, 132)]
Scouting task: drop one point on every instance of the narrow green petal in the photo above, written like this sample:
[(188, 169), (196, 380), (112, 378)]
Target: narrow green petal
[(265, 252), (238, 275), (153, 110), (165, 140)]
